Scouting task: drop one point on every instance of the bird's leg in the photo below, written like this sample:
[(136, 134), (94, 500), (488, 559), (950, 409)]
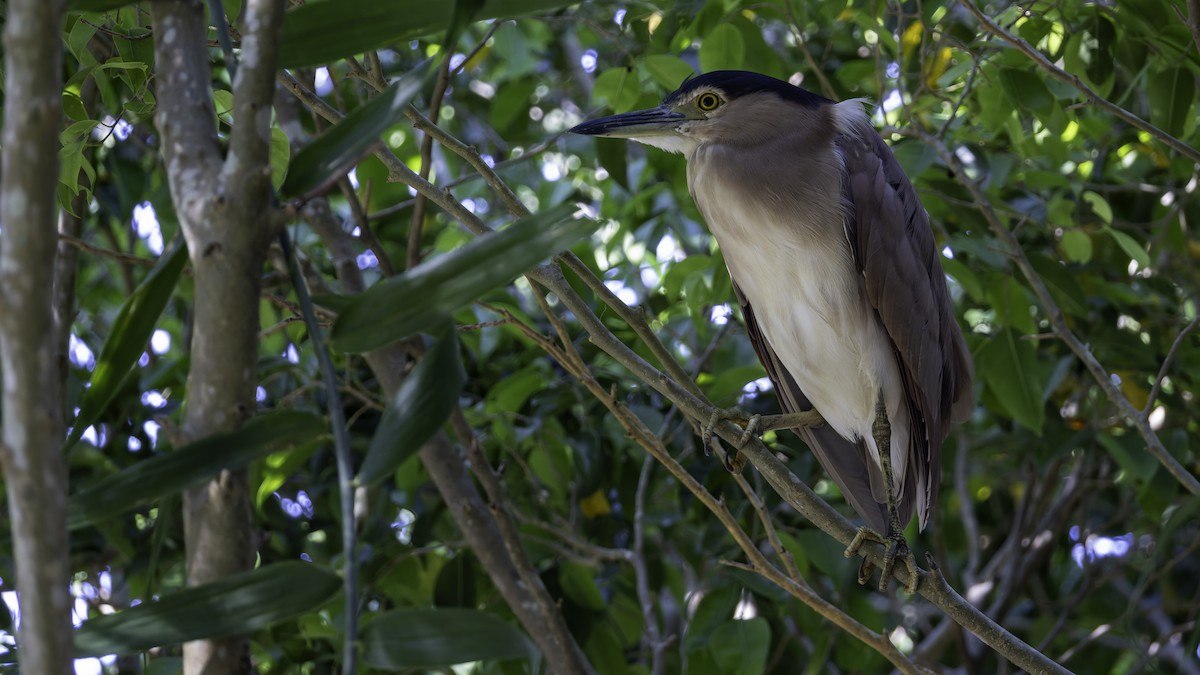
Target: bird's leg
[(894, 543), (755, 425)]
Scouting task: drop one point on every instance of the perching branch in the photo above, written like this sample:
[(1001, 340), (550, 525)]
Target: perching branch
[(35, 473)]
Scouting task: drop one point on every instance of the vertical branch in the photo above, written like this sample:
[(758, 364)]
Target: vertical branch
[(34, 470), (225, 211)]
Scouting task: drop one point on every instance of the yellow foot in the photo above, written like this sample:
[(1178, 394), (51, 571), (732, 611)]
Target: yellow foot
[(893, 547)]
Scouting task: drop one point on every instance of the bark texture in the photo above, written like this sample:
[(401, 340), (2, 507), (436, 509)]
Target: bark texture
[(34, 470), (224, 205)]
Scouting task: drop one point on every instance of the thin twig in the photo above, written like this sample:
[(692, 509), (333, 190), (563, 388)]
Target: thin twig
[(1166, 364), (1090, 94)]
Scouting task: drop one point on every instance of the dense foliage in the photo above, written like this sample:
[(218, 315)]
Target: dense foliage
[(1053, 145)]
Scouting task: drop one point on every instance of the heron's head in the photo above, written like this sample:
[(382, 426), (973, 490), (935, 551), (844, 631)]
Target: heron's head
[(725, 106)]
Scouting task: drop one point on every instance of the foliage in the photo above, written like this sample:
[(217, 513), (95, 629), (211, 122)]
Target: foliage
[(1056, 517)]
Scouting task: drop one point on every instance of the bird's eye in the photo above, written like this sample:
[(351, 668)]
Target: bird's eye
[(708, 101)]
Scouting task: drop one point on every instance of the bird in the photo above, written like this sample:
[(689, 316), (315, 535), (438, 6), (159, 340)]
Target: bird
[(839, 280)]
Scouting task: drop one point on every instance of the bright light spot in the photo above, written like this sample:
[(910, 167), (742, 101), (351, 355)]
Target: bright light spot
[(1167, 199), (619, 16), (892, 101), (482, 89), (353, 176), (81, 355), (146, 224), (536, 114), (893, 70), (160, 342), (154, 399), (91, 437), (965, 156), (403, 525), (649, 277), (948, 252), (151, 429), (1158, 417), (745, 610), (457, 60), (720, 314), (291, 354), (758, 386), (144, 360), (321, 82), (366, 260), (588, 61), (623, 292), (134, 444), (397, 138), (301, 506), (260, 394), (668, 249), (551, 171), (1097, 546), (1115, 379), (900, 638)]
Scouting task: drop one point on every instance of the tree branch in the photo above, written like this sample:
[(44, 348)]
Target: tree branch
[(34, 469), (1088, 93), (1054, 314)]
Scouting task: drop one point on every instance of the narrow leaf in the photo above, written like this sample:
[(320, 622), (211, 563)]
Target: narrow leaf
[(336, 150), (316, 33), (1131, 247), (236, 604), (131, 330), (421, 405), (194, 463), (437, 638), (419, 298), (1009, 367)]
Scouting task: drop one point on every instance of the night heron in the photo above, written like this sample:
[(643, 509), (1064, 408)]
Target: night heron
[(839, 280)]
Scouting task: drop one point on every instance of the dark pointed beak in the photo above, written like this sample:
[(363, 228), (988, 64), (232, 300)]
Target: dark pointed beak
[(658, 121)]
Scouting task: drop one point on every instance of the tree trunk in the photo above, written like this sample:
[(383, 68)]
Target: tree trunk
[(34, 471)]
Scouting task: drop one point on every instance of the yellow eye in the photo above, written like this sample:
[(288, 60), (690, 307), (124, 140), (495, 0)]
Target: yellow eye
[(708, 101)]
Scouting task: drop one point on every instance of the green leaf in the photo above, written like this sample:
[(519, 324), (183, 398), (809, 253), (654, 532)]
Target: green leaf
[(1009, 366), (236, 604), (96, 5), (1172, 94), (740, 647), (1100, 206), (1130, 246), (1026, 90), (316, 33), (716, 606), (417, 299), (579, 584), (437, 638), (333, 153), (618, 88), (280, 153), (667, 70), (127, 340), (422, 403), (723, 48), (1129, 450), (1077, 245), (194, 463)]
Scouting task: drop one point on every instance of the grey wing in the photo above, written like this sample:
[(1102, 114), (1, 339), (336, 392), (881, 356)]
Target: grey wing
[(895, 251), (845, 461)]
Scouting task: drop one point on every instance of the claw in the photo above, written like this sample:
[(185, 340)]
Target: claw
[(894, 546)]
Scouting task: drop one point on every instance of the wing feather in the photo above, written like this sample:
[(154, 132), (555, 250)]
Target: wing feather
[(896, 253)]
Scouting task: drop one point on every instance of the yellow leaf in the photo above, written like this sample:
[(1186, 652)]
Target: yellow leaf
[(595, 504), (937, 67), (912, 38)]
